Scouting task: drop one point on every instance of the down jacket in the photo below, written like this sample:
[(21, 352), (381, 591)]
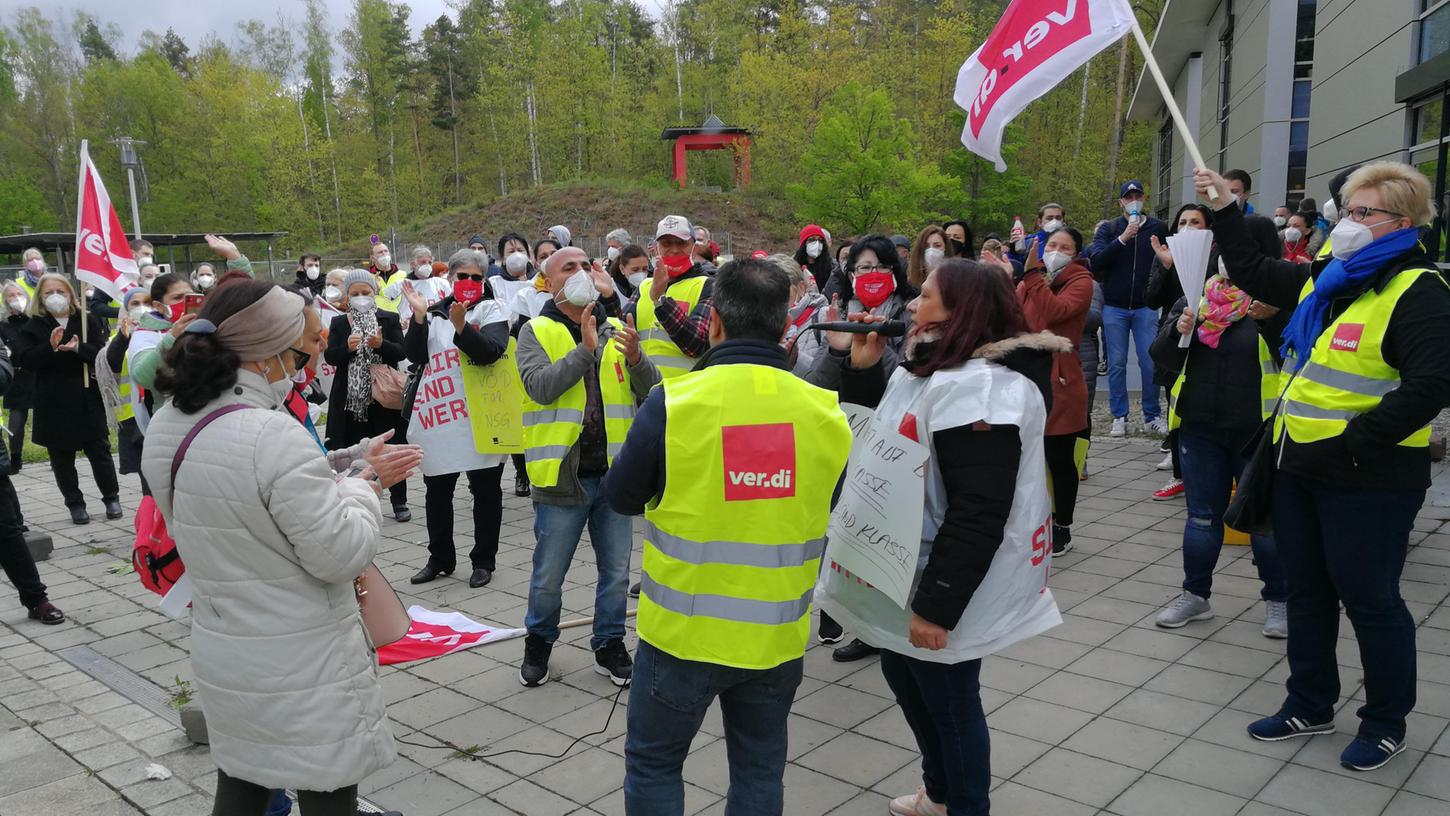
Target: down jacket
[(272, 541)]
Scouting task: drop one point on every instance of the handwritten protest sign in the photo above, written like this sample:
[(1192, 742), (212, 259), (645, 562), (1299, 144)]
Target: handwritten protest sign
[(496, 404), (875, 529)]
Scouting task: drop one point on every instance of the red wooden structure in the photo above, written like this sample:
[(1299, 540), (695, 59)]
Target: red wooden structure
[(712, 135)]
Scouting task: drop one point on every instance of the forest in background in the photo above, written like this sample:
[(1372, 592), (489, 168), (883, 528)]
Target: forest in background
[(334, 129)]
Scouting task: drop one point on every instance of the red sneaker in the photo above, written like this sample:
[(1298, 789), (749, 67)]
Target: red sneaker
[(1170, 491)]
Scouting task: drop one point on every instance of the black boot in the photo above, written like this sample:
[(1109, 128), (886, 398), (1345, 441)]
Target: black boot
[(853, 651), (428, 573)]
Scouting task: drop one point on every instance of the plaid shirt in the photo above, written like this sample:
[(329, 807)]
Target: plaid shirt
[(690, 330)]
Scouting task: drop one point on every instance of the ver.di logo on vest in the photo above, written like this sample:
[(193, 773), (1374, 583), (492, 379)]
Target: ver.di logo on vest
[(1346, 337), (759, 461)]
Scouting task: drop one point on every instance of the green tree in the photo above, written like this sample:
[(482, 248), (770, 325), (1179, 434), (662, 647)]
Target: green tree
[(94, 44), (862, 170)]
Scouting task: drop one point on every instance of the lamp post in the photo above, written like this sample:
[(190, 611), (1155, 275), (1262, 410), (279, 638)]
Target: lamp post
[(130, 160)]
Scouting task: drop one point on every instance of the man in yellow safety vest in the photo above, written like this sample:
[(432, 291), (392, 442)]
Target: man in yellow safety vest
[(733, 465), (672, 308), (583, 375)]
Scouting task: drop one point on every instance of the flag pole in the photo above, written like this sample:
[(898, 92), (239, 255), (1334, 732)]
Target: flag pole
[(1167, 93), (75, 255)]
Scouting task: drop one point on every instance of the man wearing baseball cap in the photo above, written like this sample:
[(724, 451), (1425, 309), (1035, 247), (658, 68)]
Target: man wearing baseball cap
[(672, 309), (1122, 257)]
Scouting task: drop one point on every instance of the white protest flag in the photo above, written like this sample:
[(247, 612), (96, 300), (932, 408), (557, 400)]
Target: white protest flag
[(1190, 250), (1035, 45), (103, 257)]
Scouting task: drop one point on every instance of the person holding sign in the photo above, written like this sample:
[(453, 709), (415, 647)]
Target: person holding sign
[(973, 386), (467, 328), (733, 465), (583, 374)]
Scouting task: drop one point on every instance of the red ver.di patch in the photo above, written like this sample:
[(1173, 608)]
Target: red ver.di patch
[(1347, 336), (759, 461)]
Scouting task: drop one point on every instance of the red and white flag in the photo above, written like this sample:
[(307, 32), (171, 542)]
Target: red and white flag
[(1035, 45), (103, 257), (434, 634)]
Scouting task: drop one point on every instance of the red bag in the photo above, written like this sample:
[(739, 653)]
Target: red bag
[(154, 554)]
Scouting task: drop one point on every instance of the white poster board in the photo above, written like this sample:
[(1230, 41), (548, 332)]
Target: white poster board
[(875, 529)]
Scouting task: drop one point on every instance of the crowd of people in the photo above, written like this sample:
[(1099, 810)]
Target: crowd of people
[(661, 379)]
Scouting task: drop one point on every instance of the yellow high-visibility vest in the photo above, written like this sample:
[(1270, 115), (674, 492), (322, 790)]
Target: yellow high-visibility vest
[(124, 410), (551, 430), (732, 548), (1346, 374), (655, 341), (386, 303), (1270, 384)]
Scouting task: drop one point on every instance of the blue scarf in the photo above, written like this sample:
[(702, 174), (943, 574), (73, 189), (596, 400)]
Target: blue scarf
[(1338, 278)]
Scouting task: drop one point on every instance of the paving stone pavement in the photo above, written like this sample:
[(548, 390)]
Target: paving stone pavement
[(1104, 715)]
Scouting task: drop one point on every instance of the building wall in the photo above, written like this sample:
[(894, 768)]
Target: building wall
[(1360, 46)]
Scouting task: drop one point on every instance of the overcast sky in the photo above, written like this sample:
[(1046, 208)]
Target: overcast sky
[(193, 19)]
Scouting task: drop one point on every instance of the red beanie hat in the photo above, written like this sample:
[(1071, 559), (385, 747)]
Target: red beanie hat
[(813, 231)]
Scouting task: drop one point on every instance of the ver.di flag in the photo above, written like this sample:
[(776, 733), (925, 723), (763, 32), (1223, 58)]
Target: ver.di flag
[(103, 257), (1035, 45), (434, 634)]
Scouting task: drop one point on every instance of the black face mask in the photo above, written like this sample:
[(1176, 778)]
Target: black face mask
[(959, 249)]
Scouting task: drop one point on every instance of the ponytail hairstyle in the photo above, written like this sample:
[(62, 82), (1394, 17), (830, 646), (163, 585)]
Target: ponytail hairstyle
[(198, 368)]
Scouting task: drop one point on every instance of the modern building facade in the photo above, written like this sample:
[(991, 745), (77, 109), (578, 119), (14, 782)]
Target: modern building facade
[(1293, 91)]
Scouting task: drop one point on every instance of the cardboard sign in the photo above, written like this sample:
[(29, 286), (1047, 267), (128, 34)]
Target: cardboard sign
[(496, 404)]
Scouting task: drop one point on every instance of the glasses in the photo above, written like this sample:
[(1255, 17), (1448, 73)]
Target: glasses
[(465, 276), (872, 268), (1361, 213), (300, 359)]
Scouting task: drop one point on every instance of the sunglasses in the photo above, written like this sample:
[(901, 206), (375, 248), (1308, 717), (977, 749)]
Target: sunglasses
[(299, 358), (467, 276)]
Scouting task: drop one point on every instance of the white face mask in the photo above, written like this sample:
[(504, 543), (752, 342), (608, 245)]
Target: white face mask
[(579, 289), (1349, 237), (138, 312), (1292, 235), (636, 278), (516, 263), (332, 294), (612, 252), (1280, 221), (362, 303), (1055, 261), (204, 282), (56, 303), (1052, 226), (312, 272), (283, 387), (1133, 209), (424, 271), (18, 303), (144, 260), (385, 261), (147, 280), (814, 249), (933, 256)]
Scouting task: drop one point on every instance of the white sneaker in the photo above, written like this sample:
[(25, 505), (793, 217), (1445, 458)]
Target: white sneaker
[(1186, 607), (1120, 427), (1276, 620), (916, 804), (1158, 426), (1166, 464)]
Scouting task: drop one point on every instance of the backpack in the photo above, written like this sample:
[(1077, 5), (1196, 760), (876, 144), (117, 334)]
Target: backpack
[(154, 554)]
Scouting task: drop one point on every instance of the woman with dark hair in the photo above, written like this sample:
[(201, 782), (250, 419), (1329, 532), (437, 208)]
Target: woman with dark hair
[(1227, 384), (973, 388), (273, 541), (959, 234), (356, 341), (876, 282), (1056, 292), (629, 268), (69, 414), (814, 253)]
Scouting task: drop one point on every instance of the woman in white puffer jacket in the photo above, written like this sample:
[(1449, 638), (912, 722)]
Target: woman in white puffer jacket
[(272, 541)]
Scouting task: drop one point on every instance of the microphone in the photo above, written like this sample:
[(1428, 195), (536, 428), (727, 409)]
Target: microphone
[(886, 328)]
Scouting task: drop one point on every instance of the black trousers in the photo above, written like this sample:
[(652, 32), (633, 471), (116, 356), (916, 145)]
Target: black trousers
[(519, 467), (1062, 469), (14, 555), (235, 797), (484, 484), (63, 465), (16, 441)]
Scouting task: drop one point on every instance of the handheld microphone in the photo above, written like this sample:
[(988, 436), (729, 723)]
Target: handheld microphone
[(886, 328)]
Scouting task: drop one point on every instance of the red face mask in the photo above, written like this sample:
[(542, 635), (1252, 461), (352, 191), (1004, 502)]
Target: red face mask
[(676, 265), (873, 288), (468, 291), (176, 310)]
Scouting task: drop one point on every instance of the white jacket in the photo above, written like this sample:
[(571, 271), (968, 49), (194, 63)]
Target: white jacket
[(272, 540)]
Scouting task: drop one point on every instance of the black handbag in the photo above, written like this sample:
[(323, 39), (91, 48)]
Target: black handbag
[(1250, 508)]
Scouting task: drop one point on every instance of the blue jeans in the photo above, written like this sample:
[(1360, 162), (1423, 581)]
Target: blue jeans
[(1117, 323), (668, 699), (943, 705), (1212, 458), (280, 805), (1347, 545), (557, 529)]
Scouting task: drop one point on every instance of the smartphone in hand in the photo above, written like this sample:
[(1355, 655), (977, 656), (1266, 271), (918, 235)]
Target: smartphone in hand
[(194, 302)]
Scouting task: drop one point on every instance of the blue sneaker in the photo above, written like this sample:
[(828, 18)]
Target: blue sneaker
[(1279, 727), (1367, 753)]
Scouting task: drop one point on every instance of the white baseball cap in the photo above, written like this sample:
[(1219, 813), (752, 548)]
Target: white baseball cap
[(676, 225)]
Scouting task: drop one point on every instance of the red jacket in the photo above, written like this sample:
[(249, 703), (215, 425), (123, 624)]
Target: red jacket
[(1061, 307)]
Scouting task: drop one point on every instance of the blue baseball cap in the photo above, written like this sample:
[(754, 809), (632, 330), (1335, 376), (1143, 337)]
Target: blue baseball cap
[(1130, 186)]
